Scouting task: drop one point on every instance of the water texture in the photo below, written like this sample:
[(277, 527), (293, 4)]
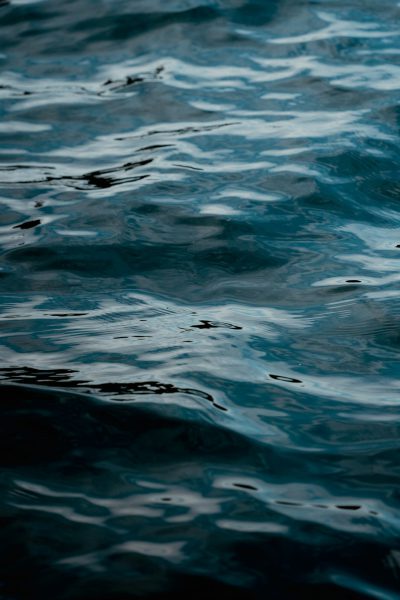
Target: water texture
[(200, 310)]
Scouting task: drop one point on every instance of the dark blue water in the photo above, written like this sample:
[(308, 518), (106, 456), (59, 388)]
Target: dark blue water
[(200, 305)]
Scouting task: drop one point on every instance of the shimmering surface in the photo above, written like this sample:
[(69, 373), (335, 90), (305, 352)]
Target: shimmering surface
[(200, 308)]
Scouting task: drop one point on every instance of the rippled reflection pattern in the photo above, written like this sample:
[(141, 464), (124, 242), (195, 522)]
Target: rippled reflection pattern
[(200, 299)]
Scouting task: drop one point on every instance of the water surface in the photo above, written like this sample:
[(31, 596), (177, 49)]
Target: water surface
[(199, 299)]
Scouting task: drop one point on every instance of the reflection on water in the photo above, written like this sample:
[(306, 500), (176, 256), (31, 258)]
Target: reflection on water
[(199, 309)]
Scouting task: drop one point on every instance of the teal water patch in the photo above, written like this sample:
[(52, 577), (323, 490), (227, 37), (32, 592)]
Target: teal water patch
[(200, 312)]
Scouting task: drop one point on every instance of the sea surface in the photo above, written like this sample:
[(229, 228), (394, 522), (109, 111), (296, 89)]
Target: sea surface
[(200, 306)]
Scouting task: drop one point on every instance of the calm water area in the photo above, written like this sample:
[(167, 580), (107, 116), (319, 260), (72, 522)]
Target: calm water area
[(200, 307)]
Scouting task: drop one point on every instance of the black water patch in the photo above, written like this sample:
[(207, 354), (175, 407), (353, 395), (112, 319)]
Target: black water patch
[(101, 179), (24, 167), (82, 314), (155, 147), (130, 80), (105, 178), (98, 181), (285, 378), (205, 324), (15, 91), (67, 378), (188, 167), (220, 407), (28, 224), (245, 486)]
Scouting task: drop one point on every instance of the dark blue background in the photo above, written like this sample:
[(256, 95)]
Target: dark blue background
[(200, 303)]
